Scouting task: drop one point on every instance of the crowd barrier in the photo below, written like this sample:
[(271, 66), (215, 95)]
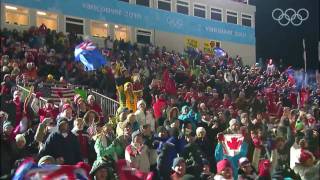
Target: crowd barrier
[(24, 93), (109, 106)]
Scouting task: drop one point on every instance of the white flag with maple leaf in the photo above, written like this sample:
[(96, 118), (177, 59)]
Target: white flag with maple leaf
[(232, 144)]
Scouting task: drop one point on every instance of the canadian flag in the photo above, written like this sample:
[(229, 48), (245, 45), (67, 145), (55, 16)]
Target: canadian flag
[(232, 144)]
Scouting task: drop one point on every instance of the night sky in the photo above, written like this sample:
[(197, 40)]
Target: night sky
[(278, 42)]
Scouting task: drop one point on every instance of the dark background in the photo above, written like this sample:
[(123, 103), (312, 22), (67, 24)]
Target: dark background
[(278, 42)]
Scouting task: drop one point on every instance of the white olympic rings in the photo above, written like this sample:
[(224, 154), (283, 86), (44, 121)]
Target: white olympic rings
[(290, 15)]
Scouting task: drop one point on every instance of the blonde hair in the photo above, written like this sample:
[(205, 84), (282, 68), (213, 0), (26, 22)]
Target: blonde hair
[(199, 130), (130, 116), (20, 137)]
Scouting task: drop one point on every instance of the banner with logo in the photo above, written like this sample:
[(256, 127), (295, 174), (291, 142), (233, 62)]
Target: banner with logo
[(293, 21), (191, 43), (232, 144), (119, 12)]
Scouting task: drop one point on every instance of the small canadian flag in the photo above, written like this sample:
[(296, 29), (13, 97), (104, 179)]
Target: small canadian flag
[(232, 144)]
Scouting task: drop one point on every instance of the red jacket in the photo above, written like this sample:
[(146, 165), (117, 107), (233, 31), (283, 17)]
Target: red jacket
[(158, 106), (95, 107), (44, 113), (168, 83)]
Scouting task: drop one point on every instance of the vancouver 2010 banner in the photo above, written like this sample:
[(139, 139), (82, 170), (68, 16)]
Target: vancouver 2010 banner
[(143, 17)]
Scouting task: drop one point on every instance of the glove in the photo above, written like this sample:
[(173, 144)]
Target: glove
[(220, 137)]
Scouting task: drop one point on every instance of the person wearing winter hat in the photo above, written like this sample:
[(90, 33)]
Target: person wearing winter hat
[(67, 113), (49, 110), (62, 145), (246, 170), (140, 113), (14, 108), (45, 160), (83, 138), (234, 127), (179, 168), (224, 170), (206, 173), (8, 149), (221, 154), (93, 105), (283, 143), (100, 170), (307, 167), (7, 128), (137, 154)]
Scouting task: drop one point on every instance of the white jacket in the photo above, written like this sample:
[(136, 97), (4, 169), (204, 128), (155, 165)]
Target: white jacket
[(138, 160), (308, 173)]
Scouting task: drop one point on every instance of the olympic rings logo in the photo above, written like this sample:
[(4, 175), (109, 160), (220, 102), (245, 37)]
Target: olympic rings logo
[(176, 23), (288, 16)]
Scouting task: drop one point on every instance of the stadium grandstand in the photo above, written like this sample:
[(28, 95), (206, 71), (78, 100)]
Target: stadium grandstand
[(174, 24), (159, 90)]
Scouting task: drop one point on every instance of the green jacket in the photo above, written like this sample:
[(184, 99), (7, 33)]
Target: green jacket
[(110, 151)]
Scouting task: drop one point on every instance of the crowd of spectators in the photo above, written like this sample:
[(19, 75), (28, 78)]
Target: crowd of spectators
[(175, 110)]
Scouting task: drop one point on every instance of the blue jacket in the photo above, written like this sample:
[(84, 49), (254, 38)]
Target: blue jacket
[(191, 116)]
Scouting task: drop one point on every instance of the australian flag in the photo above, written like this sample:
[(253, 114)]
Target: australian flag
[(89, 55), (219, 52)]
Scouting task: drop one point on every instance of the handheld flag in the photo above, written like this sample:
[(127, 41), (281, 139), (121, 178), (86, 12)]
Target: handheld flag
[(219, 52), (88, 54), (232, 144), (30, 170)]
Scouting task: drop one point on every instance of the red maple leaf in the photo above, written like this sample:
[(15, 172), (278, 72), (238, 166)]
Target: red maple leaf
[(234, 144)]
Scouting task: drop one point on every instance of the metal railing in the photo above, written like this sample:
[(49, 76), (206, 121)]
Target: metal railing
[(24, 93), (109, 106)]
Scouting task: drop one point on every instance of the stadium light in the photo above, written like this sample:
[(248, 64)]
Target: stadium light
[(116, 26), (106, 25), (41, 13), (11, 7)]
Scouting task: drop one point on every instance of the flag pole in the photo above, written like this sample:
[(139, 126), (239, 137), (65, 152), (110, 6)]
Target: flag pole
[(305, 61), (318, 71), (304, 55)]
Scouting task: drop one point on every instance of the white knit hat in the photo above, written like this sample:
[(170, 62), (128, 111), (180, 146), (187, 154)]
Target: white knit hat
[(140, 102), (232, 122)]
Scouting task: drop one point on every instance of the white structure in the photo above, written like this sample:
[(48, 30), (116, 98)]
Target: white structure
[(21, 15)]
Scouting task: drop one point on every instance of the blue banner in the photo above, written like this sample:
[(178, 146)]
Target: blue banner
[(143, 17)]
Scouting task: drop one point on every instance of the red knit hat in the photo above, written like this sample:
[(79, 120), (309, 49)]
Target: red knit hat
[(221, 165), (66, 106), (305, 155)]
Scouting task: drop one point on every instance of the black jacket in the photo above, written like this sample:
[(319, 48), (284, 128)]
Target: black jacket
[(58, 146), (10, 108)]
